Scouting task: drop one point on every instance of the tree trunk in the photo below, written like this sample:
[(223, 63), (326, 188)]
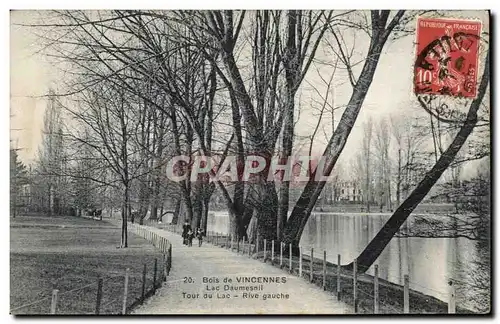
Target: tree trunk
[(391, 227), (248, 211), (267, 211), (256, 139), (154, 212), (398, 184), (204, 216), (188, 215), (368, 184), (252, 228), (125, 213), (143, 201), (177, 209), (290, 62), (196, 202), (232, 229), (302, 210)]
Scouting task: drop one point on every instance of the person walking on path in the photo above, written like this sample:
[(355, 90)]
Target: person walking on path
[(185, 229), (190, 237), (199, 235), (210, 261)]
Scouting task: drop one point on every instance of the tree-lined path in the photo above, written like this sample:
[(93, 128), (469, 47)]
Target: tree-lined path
[(213, 262)]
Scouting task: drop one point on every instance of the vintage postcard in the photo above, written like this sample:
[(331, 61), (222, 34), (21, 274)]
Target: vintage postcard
[(250, 162)]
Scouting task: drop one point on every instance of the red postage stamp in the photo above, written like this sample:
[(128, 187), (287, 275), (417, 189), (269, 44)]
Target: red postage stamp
[(447, 57)]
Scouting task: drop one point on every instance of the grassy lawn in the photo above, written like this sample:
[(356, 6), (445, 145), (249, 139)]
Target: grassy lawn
[(67, 253)]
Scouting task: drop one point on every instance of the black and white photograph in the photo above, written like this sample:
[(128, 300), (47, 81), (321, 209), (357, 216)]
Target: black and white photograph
[(250, 162)]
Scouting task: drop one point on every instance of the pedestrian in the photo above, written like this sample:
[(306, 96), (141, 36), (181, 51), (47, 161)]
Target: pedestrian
[(190, 236), (199, 235), (185, 229)]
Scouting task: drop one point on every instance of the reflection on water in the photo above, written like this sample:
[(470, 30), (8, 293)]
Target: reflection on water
[(429, 262)]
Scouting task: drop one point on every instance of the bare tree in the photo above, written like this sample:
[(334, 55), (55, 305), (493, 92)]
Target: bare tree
[(365, 157), (381, 29), (18, 177), (383, 174), (390, 228)]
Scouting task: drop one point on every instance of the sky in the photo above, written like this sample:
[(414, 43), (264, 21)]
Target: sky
[(391, 91), (30, 76)]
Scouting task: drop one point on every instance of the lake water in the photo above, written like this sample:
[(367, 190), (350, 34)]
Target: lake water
[(429, 262)]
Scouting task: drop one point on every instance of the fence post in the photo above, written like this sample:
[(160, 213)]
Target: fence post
[(312, 265), (231, 246), (338, 277), (154, 275), (265, 250), (290, 261), (143, 292), (375, 291), (217, 238), (324, 270), (243, 248), (452, 298), (257, 245), (406, 294), (227, 242), (169, 258), (237, 246), (165, 266), (125, 292), (300, 262), (53, 304), (99, 296), (355, 284), (281, 255), (272, 252), (249, 249)]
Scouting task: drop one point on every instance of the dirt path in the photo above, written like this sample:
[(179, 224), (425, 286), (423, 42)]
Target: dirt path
[(295, 296)]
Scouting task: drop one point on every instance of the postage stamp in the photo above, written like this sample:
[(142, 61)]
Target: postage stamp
[(447, 57)]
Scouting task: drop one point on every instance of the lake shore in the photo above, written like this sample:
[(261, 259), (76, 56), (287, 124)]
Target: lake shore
[(391, 297)]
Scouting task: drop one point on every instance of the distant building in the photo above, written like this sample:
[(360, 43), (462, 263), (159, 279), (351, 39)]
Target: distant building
[(348, 191), (25, 195)]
